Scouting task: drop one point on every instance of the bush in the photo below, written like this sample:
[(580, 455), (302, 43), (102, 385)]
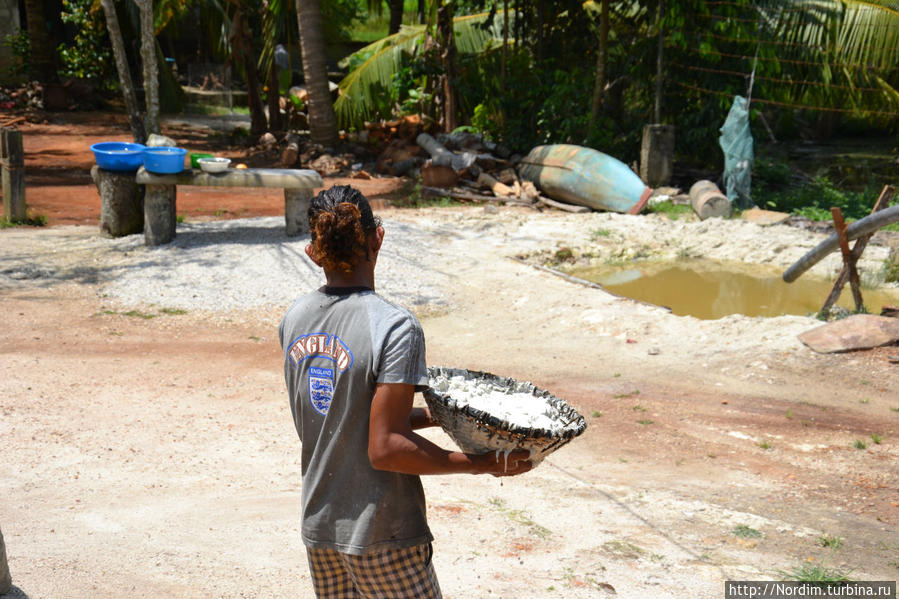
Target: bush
[(88, 56)]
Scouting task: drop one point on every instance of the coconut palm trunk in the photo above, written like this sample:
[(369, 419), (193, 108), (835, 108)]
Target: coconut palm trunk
[(396, 16), (150, 66), (121, 63), (322, 120), (447, 41)]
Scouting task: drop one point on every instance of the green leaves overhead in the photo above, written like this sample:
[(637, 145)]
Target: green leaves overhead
[(376, 63)]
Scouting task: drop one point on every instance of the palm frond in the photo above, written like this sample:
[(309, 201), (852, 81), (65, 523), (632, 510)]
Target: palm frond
[(384, 57), (869, 34), (355, 102), (273, 18)]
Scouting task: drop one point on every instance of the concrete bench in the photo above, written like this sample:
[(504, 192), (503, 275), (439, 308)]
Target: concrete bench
[(159, 197)]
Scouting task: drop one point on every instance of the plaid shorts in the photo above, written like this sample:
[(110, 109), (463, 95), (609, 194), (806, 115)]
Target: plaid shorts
[(392, 574)]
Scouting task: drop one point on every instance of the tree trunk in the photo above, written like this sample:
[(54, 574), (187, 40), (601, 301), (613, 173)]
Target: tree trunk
[(447, 43), (41, 49), (322, 120), (150, 67), (601, 58), (657, 113), (242, 51), (121, 63), (396, 16), (274, 99)]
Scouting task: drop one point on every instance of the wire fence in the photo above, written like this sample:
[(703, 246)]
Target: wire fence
[(744, 50)]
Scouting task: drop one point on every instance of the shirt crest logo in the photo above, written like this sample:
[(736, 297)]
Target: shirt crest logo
[(321, 345), (321, 388)]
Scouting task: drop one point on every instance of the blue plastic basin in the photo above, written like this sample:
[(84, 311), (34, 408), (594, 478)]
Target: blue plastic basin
[(118, 155), (164, 160)]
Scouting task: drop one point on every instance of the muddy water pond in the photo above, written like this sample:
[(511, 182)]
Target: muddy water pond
[(709, 290)]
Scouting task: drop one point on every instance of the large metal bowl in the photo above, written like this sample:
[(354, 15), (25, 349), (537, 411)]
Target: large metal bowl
[(478, 431)]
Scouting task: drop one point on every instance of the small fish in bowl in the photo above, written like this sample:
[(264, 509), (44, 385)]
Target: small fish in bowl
[(214, 164)]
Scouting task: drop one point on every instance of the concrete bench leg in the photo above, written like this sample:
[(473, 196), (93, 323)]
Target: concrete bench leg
[(296, 208), (121, 202), (159, 214)]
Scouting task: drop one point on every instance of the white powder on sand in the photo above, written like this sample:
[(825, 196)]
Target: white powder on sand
[(517, 408)]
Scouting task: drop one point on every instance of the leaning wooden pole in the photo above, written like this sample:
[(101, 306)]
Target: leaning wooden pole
[(848, 261), (867, 225)]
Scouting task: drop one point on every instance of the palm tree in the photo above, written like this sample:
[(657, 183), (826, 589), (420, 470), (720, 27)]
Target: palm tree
[(121, 63), (322, 119)]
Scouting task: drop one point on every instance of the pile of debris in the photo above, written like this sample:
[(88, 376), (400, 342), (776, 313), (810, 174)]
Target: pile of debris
[(460, 165)]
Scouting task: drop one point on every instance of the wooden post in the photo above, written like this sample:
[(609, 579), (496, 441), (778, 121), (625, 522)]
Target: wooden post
[(840, 225), (882, 202), (296, 211), (159, 214), (12, 164), (121, 202)]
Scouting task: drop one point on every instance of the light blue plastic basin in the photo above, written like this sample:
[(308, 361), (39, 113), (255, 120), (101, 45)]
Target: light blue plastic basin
[(164, 161)]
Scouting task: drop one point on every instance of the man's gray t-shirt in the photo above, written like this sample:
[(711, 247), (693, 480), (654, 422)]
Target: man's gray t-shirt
[(338, 343)]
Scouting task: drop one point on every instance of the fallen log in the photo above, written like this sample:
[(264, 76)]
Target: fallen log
[(562, 205), (499, 189), (442, 157), (869, 224), (473, 197)]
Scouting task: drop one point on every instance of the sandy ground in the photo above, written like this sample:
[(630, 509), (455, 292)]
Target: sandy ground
[(156, 456)]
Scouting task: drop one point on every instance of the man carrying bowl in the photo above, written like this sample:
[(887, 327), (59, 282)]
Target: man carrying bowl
[(352, 363)]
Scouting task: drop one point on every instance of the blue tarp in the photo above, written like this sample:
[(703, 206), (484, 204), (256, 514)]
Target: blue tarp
[(736, 142)]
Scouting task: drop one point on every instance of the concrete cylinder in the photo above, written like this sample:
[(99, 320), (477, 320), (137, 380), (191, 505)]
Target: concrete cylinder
[(657, 155), (708, 201)]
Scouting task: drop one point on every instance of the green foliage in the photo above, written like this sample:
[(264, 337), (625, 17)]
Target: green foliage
[(815, 199), (375, 66), (89, 55), (670, 209), (20, 46), (830, 541), (39, 220), (816, 573), (746, 532)]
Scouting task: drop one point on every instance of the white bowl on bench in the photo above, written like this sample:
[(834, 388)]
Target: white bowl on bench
[(214, 165)]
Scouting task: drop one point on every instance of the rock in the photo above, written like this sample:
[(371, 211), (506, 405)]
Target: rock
[(326, 165), (268, 141), (765, 217), (160, 141), (859, 331)]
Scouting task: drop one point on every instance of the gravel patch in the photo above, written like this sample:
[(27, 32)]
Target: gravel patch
[(216, 266)]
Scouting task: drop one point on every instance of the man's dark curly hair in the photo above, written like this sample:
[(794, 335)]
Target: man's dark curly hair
[(340, 219)]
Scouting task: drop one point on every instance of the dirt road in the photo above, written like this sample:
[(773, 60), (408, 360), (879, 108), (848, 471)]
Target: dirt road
[(150, 452)]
